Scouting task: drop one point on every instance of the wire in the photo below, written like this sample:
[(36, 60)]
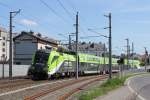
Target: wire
[(86, 37), (81, 18), (26, 16), (52, 10), (5, 5), (72, 5), (14, 22), (69, 14)]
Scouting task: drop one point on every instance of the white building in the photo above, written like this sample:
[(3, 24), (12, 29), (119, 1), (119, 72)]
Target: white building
[(4, 45), (26, 43)]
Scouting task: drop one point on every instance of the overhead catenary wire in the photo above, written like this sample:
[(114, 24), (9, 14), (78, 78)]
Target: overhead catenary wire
[(5, 5), (25, 15), (69, 14), (72, 5), (74, 8), (53, 11), (5, 18)]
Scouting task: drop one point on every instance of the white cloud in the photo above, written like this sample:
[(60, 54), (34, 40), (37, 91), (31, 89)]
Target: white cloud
[(28, 22)]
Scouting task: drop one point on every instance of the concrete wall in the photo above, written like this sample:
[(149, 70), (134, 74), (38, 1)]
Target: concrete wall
[(17, 70)]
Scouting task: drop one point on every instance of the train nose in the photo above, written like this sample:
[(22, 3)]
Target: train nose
[(40, 71), (39, 67)]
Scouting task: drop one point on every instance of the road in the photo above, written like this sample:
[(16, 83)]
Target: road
[(135, 88), (140, 85)]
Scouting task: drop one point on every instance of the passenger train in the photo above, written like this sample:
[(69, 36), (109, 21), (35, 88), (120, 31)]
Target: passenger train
[(48, 64)]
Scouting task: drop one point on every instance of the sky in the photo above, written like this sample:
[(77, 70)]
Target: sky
[(56, 19)]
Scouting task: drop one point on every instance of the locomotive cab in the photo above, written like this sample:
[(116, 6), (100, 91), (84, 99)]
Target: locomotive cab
[(39, 66)]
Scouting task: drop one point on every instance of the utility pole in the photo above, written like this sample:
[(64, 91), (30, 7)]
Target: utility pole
[(70, 46), (127, 52), (12, 15), (146, 54), (77, 63), (110, 46), (104, 54), (70, 42), (132, 53), (104, 58)]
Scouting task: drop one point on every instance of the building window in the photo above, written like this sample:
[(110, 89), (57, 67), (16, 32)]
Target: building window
[(3, 43), (3, 38), (3, 55), (3, 49)]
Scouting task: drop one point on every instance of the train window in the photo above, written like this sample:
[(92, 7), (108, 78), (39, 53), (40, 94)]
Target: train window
[(54, 58), (41, 57)]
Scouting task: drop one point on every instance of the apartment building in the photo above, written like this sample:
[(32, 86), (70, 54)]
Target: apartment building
[(4, 45)]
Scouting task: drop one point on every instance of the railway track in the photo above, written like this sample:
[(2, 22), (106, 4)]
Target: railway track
[(63, 85), (14, 83), (19, 83), (77, 89)]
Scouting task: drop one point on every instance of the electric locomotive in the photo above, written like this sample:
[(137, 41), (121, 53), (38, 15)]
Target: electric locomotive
[(52, 63)]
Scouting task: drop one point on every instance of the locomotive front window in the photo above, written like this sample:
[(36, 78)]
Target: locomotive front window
[(54, 59), (41, 57)]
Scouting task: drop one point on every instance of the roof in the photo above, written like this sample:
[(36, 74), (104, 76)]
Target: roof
[(44, 39), (2, 29)]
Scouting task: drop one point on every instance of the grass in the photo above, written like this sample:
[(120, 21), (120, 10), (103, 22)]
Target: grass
[(103, 89)]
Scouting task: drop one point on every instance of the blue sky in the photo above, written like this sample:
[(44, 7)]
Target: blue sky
[(130, 19)]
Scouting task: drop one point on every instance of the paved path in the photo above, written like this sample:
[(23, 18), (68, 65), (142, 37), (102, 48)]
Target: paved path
[(136, 88), (141, 86), (122, 93)]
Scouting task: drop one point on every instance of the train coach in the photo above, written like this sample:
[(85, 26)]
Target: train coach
[(49, 64)]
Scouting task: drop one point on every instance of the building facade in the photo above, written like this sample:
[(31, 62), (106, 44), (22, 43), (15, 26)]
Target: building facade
[(4, 45), (26, 43)]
